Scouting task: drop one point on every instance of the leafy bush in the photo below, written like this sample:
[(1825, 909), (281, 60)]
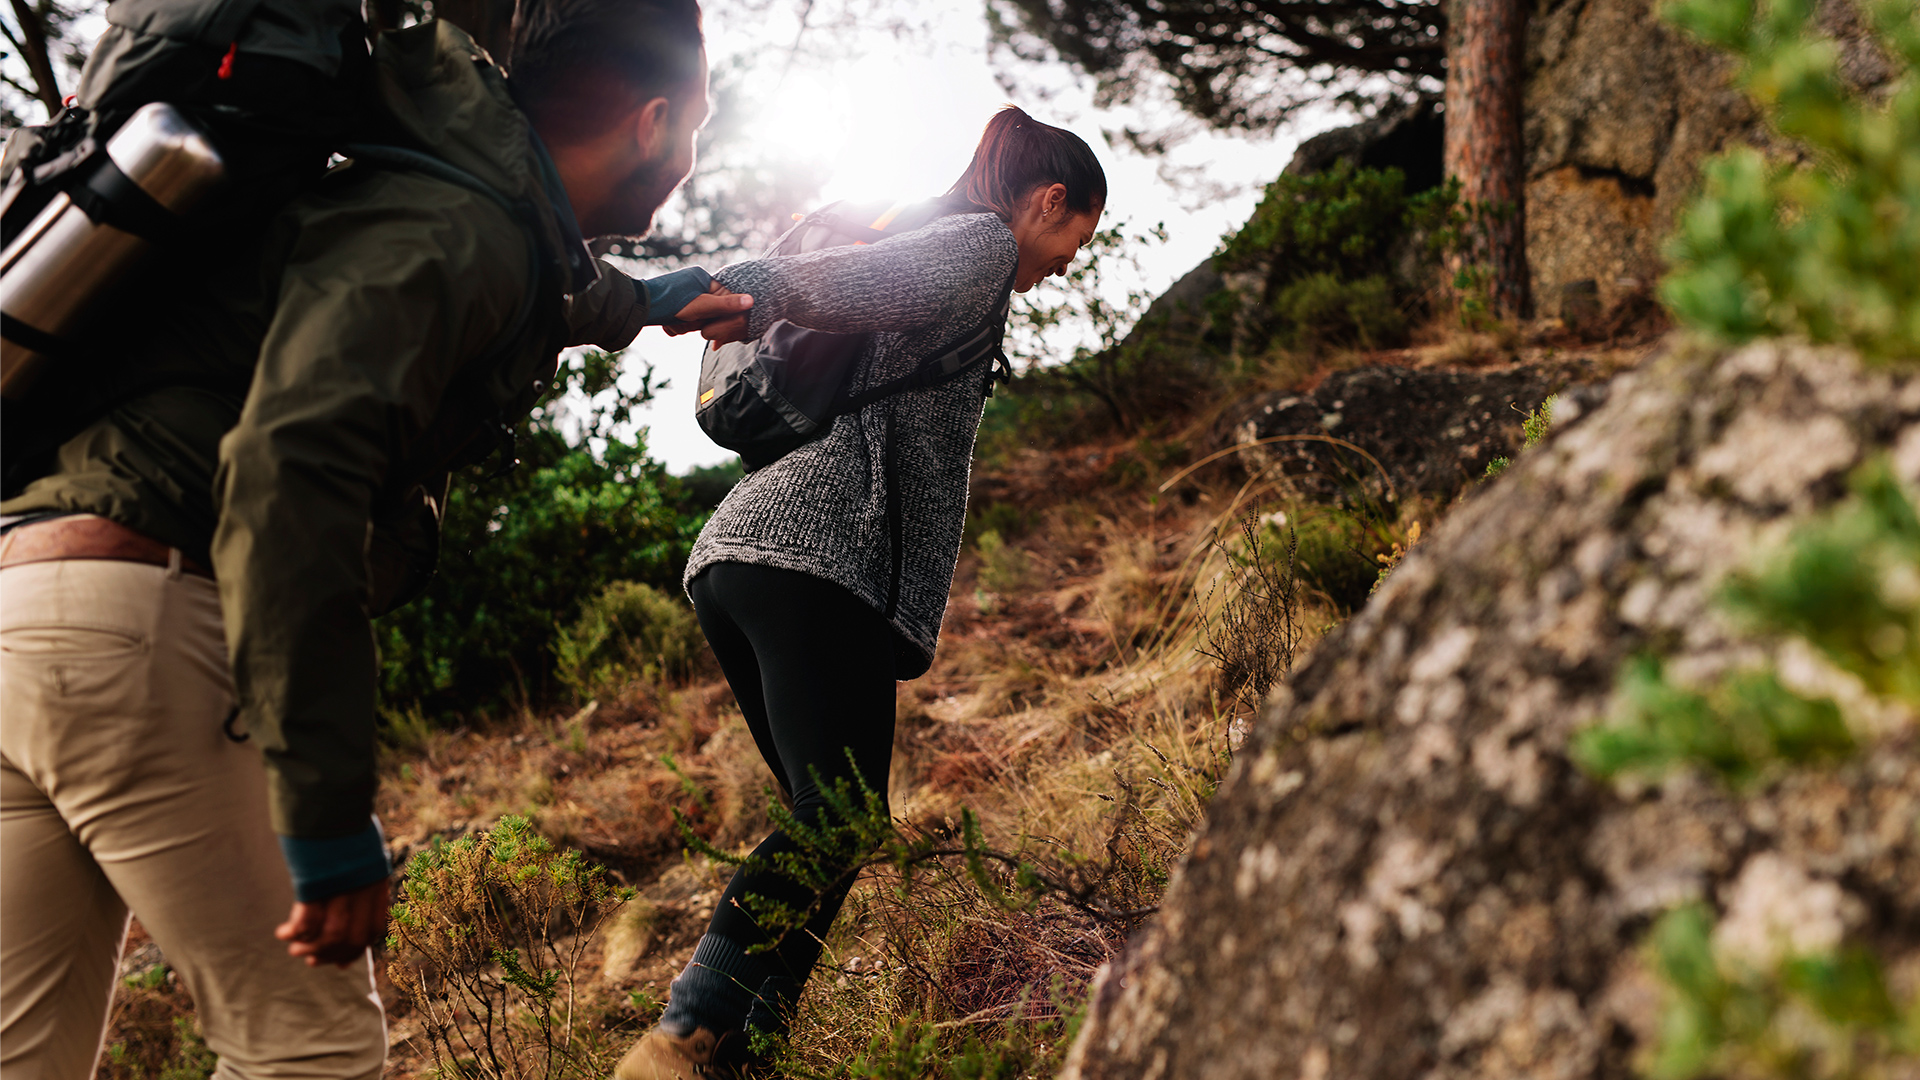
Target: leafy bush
[(520, 553), (703, 486), (1803, 1015), (486, 944), (630, 631), (1324, 309), (1346, 222), (1344, 255), (1829, 249)]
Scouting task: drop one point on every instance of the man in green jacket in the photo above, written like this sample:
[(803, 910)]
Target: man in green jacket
[(187, 670)]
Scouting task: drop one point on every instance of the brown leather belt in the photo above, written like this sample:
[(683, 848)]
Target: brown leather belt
[(85, 536)]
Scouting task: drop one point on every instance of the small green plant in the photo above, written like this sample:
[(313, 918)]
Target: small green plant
[(486, 944), (1005, 570), (1829, 249), (1802, 1015), (1532, 429), (1337, 550), (1744, 724), (915, 1050), (193, 1060), (1848, 585), (630, 631)]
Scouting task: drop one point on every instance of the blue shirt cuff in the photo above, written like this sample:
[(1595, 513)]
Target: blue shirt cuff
[(668, 293), (329, 866)]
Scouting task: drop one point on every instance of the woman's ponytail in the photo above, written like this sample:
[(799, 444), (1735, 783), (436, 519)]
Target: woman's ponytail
[(1017, 154)]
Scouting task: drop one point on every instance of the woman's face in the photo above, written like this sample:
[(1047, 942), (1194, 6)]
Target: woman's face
[(1049, 235)]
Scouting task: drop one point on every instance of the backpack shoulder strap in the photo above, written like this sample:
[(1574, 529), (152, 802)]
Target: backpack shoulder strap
[(981, 343)]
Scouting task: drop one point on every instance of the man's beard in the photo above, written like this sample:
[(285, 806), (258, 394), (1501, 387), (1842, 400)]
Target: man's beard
[(647, 188)]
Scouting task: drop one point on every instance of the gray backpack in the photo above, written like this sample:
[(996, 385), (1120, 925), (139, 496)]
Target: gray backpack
[(766, 397)]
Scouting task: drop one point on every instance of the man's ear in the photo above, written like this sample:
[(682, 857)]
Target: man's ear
[(650, 127)]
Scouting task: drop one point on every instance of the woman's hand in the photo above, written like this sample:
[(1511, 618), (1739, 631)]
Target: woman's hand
[(719, 305)]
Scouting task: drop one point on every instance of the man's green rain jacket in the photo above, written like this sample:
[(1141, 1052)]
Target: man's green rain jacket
[(376, 294)]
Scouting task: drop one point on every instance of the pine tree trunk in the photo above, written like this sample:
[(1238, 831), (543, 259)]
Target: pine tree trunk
[(1486, 66), (33, 46)]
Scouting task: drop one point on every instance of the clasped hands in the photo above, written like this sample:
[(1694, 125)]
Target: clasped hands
[(719, 315)]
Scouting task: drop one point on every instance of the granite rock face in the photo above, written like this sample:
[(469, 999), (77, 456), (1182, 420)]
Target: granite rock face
[(1404, 876), (1621, 112)]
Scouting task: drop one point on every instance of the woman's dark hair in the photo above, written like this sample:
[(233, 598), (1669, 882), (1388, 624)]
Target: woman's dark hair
[(577, 66), (1017, 154)]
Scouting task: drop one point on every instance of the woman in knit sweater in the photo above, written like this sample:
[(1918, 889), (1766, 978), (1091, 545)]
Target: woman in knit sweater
[(822, 578)]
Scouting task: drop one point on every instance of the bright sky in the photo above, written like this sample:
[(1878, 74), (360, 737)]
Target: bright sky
[(897, 116)]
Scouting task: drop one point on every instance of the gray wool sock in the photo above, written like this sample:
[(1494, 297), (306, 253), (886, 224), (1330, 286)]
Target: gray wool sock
[(716, 989)]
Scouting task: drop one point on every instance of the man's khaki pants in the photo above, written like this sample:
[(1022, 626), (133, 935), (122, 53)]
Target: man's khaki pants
[(118, 790)]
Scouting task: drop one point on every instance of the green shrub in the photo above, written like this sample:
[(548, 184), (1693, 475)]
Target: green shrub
[(1743, 724), (1843, 585), (1324, 309), (703, 486), (1336, 555), (1345, 254), (485, 945), (630, 631), (520, 553), (1004, 569), (1346, 222), (1008, 520), (1829, 249), (1816, 1015)]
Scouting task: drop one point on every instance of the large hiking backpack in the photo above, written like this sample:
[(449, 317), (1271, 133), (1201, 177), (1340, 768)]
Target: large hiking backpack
[(180, 101), (764, 398), (276, 87)]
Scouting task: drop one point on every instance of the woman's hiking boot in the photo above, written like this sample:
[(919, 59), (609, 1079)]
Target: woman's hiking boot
[(698, 1055)]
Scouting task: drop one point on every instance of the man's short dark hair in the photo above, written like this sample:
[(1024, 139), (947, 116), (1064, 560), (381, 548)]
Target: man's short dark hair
[(578, 66)]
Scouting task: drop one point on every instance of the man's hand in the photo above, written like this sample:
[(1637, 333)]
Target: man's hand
[(338, 929), (718, 307)]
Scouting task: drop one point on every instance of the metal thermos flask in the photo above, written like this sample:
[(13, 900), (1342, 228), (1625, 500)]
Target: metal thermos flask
[(66, 259)]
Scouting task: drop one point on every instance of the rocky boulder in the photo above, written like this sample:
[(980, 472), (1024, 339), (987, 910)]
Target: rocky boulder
[(1431, 432), (1405, 876), (1621, 112)]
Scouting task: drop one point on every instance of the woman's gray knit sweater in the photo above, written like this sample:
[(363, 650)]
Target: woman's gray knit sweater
[(823, 509)]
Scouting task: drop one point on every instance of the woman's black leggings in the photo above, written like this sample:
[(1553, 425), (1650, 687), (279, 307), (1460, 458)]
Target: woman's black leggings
[(812, 667)]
